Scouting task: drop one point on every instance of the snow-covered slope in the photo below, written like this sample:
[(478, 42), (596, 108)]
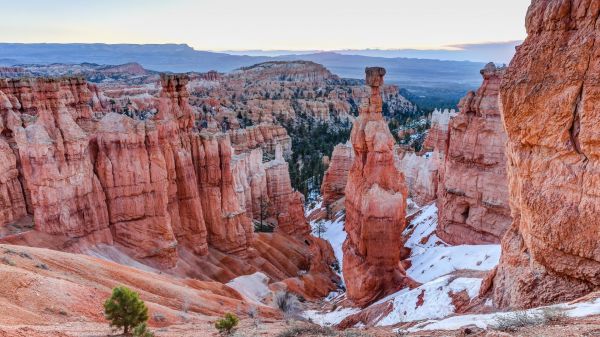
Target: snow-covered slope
[(434, 264), (333, 232)]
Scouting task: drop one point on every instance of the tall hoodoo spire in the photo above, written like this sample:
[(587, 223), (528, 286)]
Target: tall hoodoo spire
[(375, 204)]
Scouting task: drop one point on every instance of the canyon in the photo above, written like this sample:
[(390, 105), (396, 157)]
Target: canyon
[(157, 192), (213, 193)]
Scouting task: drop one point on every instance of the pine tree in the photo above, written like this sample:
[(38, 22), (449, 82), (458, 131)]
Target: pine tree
[(124, 309)]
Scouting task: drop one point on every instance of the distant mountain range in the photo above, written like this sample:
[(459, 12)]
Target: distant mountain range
[(431, 81), (498, 52), (183, 58)]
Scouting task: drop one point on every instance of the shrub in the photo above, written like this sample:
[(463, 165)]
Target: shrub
[(227, 324), (142, 331), (519, 319), (309, 330), (42, 266), (124, 309), (288, 303), (8, 261), (553, 314)]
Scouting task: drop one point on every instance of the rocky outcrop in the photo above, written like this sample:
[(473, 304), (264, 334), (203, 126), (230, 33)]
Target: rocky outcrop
[(336, 176), (375, 205), (41, 120), (549, 97), (250, 182), (266, 136), (421, 174), (286, 204), (12, 198), (275, 91), (473, 194), (437, 136), (150, 188), (229, 229)]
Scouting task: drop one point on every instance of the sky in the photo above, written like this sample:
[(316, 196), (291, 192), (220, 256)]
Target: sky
[(267, 24)]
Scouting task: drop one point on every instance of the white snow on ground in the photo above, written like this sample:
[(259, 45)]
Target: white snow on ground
[(253, 287), (485, 320), (436, 301), (438, 261), (434, 258), (329, 318), (432, 262), (333, 232)]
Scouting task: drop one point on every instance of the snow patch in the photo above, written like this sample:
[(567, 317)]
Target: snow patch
[(432, 258), (329, 318), (253, 287), (333, 232), (435, 296)]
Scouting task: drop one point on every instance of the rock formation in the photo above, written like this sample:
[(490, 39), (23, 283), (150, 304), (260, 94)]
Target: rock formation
[(270, 91), (375, 205), (421, 174), (336, 176), (549, 97), (267, 136), (40, 118), (438, 132), (285, 203), (151, 187), (473, 194)]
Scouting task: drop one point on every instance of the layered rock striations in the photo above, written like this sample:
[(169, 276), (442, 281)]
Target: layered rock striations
[(285, 203), (150, 186), (375, 205), (549, 97), (266, 136), (437, 136), (421, 173), (336, 176), (279, 91), (473, 194), (40, 118)]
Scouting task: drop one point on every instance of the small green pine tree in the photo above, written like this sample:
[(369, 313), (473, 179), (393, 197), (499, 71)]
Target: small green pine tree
[(142, 331), (227, 324), (124, 309)]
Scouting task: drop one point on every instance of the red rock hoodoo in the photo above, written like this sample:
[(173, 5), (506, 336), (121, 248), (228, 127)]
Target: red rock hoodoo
[(473, 194), (550, 99), (375, 205), (336, 176)]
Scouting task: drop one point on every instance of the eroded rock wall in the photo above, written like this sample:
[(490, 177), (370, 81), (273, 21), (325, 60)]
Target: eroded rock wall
[(473, 194), (549, 97)]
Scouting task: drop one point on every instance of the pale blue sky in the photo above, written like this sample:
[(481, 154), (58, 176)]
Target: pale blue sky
[(266, 24)]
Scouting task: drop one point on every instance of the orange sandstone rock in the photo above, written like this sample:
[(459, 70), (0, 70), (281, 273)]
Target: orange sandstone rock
[(473, 194), (375, 205), (550, 99), (336, 176)]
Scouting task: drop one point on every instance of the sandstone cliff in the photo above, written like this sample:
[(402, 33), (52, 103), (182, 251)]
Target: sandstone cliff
[(40, 118), (149, 187), (473, 193), (375, 205), (550, 97)]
